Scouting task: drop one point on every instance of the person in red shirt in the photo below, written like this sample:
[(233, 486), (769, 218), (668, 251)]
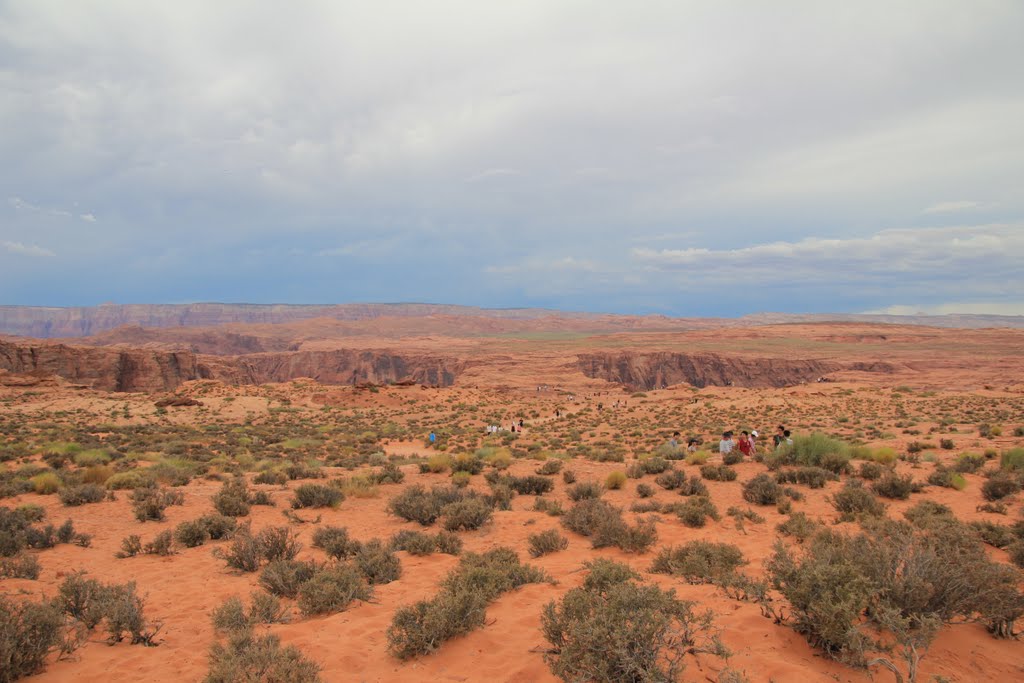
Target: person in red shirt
[(745, 445)]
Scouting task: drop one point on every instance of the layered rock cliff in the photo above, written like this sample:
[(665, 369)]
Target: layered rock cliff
[(155, 370), (661, 369)]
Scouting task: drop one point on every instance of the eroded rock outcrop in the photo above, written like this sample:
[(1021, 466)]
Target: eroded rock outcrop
[(155, 370), (658, 370)]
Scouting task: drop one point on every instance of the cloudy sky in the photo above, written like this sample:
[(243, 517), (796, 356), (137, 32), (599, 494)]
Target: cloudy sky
[(687, 158)]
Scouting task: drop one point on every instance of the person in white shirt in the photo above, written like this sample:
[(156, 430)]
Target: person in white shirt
[(726, 444)]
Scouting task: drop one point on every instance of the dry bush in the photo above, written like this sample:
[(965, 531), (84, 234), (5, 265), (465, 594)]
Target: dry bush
[(999, 486), (20, 566), (585, 490), (162, 544), (29, 633), (699, 561), (149, 504), (191, 534), (247, 658), (468, 514), (812, 477), (799, 526), (896, 487), (693, 487), (531, 485), (550, 467), (670, 479), (624, 631), (853, 500), (870, 470), (284, 577), (233, 499), (644, 491), (413, 542), (334, 541), (615, 480), (718, 472), (762, 490), (377, 564), (695, 512), (545, 542), (459, 608), (332, 589), (82, 494), (316, 496), (416, 504)]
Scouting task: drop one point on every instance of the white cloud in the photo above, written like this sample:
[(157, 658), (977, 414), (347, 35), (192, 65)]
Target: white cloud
[(26, 249), (954, 307), (952, 207), (88, 217)]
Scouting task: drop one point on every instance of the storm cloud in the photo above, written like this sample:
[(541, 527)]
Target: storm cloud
[(676, 157)]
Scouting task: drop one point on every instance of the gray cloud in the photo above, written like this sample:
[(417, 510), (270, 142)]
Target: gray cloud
[(25, 249), (217, 140)]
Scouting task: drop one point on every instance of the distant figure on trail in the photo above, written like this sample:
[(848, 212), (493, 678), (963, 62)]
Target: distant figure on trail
[(744, 444), (520, 424), (786, 437), (674, 441), (433, 438), (726, 444), (692, 444), (558, 413), (753, 440)]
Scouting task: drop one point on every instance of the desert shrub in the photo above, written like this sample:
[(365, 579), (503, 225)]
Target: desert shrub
[(250, 658), (733, 457), (82, 494), (695, 512), (20, 566), (654, 465), (230, 615), (615, 480), (1012, 460), (699, 561), (552, 508), (466, 462), (448, 543), (149, 504), (895, 487), (277, 543), (413, 542), (389, 474), (814, 450), (468, 514), (584, 490), (283, 578), (569, 476), (29, 632), (316, 496), (45, 483), (698, 457), (416, 504), (644, 491), (670, 479), (586, 516), (271, 477), (996, 535), (625, 632), (377, 563), (1016, 552), (461, 479), (30, 512), (718, 472), (266, 609), (545, 542), (693, 487), (65, 532), (923, 513), (812, 477), (603, 574), (946, 444), (854, 500), (532, 485), (762, 490), (332, 589), (550, 467), (423, 627), (501, 497), (999, 486), (799, 526), (604, 524), (233, 499), (942, 476), (130, 546), (162, 544), (132, 479), (969, 463), (994, 508), (218, 526), (13, 531), (870, 470), (243, 553), (334, 541), (191, 534)]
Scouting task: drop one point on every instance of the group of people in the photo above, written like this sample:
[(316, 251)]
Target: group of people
[(747, 443)]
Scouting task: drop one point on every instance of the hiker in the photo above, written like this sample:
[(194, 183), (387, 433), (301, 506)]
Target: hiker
[(520, 424), (726, 444), (433, 438), (746, 448), (674, 441), (692, 444), (753, 440), (778, 436), (786, 437)]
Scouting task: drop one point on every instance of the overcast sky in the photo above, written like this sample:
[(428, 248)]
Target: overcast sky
[(687, 158)]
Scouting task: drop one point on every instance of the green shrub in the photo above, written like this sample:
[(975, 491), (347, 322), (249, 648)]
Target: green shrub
[(416, 504), (218, 526), (969, 462), (130, 546), (654, 465), (334, 541), (603, 574), (996, 535), (762, 490), (413, 542), (461, 479), (532, 485), (448, 543), (947, 478), (230, 615), (1012, 460), (545, 542), (272, 477), (870, 470), (162, 544), (644, 491), (132, 479), (895, 487), (699, 561), (191, 534), (20, 566), (693, 487), (550, 467), (46, 483), (799, 526), (251, 658), (812, 477), (332, 589), (670, 479), (149, 504), (569, 476)]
